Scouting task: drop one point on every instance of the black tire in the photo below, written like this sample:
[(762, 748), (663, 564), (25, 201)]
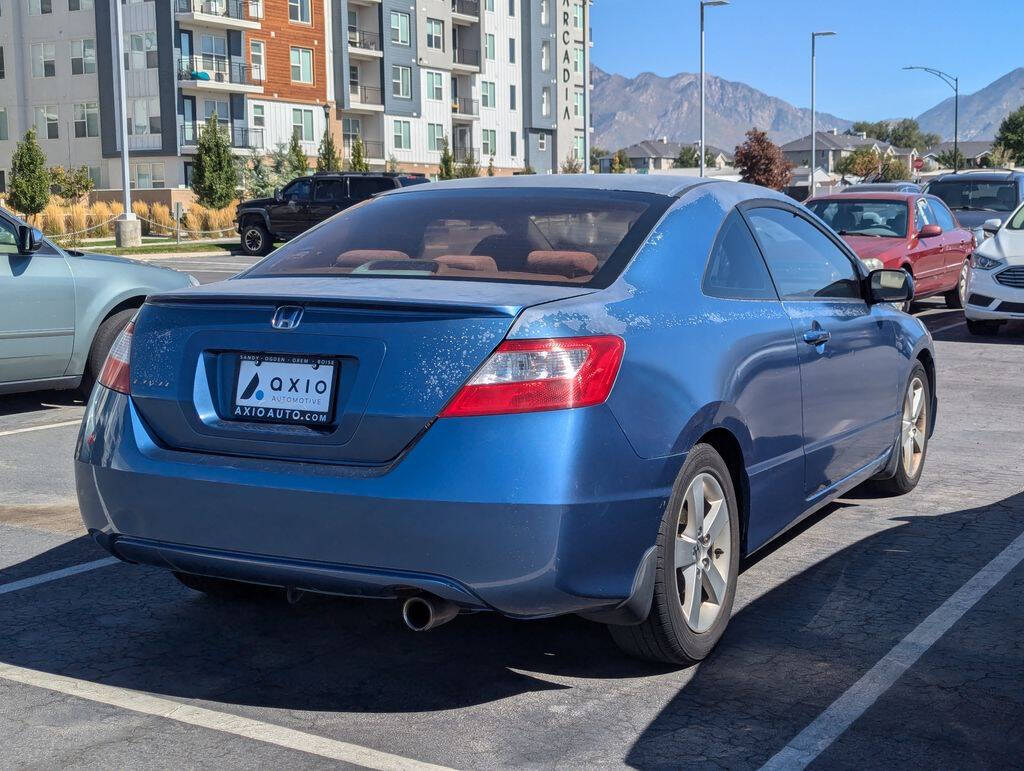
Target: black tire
[(105, 337), (665, 635), (983, 328), (255, 239), (955, 297), (225, 589), (902, 482)]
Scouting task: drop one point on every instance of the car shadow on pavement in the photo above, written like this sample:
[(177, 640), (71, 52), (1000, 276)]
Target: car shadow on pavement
[(785, 656), (38, 401), (1011, 333)]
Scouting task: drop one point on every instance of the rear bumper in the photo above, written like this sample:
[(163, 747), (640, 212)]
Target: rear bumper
[(529, 515)]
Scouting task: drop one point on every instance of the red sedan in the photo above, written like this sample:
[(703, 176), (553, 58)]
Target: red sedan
[(912, 231)]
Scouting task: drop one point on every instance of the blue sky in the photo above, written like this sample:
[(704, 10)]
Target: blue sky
[(766, 44)]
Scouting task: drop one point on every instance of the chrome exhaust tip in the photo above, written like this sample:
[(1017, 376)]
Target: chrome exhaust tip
[(424, 612)]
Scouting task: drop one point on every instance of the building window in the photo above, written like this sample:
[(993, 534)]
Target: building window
[(579, 58), (511, 7), (403, 135), (140, 52), (545, 55), (38, 7), (257, 54), (435, 34), (83, 56), (542, 142), (147, 175), (80, 5), (94, 175), (544, 11), (435, 86), (487, 93), (489, 47), (3, 123), (577, 104), (435, 136), (87, 120), (44, 64), (401, 81), (218, 108), (3, 71), (351, 128), (259, 115), (489, 143), (46, 122), (577, 15), (512, 96), (545, 102), (512, 50), (298, 10), (302, 124), (514, 144), (488, 5), (578, 148), (3, 181), (144, 115), (399, 28), (302, 65)]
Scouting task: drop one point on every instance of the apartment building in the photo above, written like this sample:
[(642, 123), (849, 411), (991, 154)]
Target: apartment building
[(498, 79)]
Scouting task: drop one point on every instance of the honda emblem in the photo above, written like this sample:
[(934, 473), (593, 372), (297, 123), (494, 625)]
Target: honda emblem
[(286, 317)]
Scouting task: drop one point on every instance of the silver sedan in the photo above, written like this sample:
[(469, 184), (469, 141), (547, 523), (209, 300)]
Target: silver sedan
[(60, 311)]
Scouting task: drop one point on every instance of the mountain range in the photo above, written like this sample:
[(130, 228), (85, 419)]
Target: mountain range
[(648, 106)]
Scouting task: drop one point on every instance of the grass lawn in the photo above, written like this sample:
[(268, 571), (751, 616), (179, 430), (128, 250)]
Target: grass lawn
[(185, 247)]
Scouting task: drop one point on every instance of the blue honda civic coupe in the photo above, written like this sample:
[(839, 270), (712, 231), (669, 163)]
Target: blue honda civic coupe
[(535, 395)]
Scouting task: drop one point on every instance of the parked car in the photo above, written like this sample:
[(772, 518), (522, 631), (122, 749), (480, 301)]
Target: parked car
[(62, 309), (884, 187), (995, 286), (904, 230), (977, 196), (308, 200), (534, 395)]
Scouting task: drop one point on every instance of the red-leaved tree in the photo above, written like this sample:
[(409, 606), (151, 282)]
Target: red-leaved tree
[(761, 162)]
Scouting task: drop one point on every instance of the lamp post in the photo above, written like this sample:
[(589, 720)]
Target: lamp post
[(813, 183), (127, 229), (703, 5), (954, 83)]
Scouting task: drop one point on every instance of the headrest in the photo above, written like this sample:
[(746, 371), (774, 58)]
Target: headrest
[(356, 257), (468, 262), (569, 264)]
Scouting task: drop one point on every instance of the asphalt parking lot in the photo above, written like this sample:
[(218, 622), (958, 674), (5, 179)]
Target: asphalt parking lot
[(863, 626)]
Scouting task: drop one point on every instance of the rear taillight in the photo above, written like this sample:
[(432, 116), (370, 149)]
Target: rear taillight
[(115, 369), (535, 375)]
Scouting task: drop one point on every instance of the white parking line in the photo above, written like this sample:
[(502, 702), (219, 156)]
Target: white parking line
[(855, 701), (14, 431), (948, 326), (25, 583), (202, 717)]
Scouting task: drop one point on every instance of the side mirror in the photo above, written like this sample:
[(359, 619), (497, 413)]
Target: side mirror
[(29, 239), (890, 286), (992, 225), (930, 231)]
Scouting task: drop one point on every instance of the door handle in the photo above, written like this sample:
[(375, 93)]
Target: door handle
[(817, 336)]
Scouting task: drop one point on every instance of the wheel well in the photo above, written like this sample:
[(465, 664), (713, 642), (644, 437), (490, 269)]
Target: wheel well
[(252, 219), (728, 447), (906, 266), (131, 302), (928, 362)]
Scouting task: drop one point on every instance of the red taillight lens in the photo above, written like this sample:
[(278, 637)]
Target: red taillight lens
[(535, 375), (115, 368)]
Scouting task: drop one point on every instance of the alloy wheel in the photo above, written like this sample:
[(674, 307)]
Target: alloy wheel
[(915, 427), (703, 540), (253, 240), (962, 288)]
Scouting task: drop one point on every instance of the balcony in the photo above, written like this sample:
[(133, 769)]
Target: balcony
[(241, 138), (365, 97), (226, 14), (372, 149), (465, 11), (463, 107), (466, 57), (461, 153), (364, 42), (208, 72)]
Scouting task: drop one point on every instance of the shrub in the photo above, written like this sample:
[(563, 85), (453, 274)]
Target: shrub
[(53, 223), (99, 213), (141, 210), (161, 215), (79, 216)]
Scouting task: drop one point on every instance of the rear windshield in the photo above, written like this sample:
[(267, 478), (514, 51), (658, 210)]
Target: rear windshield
[(887, 219), (577, 237), (981, 196)]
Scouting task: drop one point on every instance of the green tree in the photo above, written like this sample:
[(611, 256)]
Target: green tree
[(948, 159), (296, 162), (878, 130), (70, 184), (893, 170), (596, 154), (571, 165), (327, 156), (617, 166), (761, 162), (998, 158), (688, 158), (279, 163), (357, 157), (528, 170), (468, 167), (260, 181), (28, 190), (860, 163), (214, 174), (490, 167), (902, 133), (446, 169), (392, 165), (1010, 136)]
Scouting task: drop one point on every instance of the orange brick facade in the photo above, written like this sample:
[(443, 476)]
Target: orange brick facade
[(279, 35)]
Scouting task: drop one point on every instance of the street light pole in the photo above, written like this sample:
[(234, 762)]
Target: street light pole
[(127, 229), (954, 83), (703, 5), (812, 183)]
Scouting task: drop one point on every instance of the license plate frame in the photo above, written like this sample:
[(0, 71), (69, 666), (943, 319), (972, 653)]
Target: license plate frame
[(287, 408)]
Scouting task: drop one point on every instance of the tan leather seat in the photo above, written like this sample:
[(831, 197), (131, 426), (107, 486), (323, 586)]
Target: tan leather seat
[(569, 264), (356, 257), (468, 262)]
